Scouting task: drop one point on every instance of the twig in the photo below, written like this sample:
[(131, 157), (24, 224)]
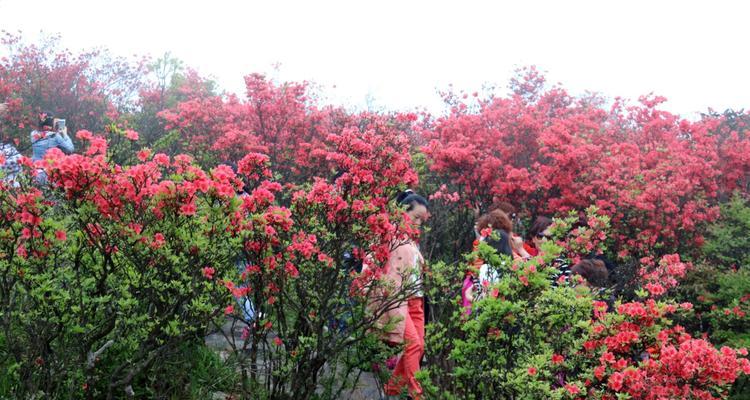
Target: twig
[(91, 359)]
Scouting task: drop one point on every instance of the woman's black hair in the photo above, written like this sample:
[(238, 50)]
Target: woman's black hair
[(540, 225), (409, 199), (49, 120)]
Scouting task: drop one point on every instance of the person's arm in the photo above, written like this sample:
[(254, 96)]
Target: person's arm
[(64, 142), (516, 243)]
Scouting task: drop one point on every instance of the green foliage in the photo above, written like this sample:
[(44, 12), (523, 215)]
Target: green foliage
[(728, 239), (719, 286), (730, 319), (193, 371), (515, 327), (104, 307), (451, 227), (721, 303)]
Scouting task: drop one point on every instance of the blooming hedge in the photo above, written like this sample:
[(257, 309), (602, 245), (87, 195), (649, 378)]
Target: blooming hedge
[(183, 206)]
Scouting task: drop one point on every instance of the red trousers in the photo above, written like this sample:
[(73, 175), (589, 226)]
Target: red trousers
[(408, 364)]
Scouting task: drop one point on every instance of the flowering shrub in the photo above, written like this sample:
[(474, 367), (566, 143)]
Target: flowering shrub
[(718, 285), (527, 340), (547, 152), (641, 355), (582, 235), (166, 226), (275, 120), (731, 133), (119, 266), (168, 83), (504, 347), (301, 270), (88, 89), (102, 270), (155, 246), (658, 278)]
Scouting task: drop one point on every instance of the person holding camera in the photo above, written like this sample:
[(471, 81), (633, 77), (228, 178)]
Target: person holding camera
[(52, 133)]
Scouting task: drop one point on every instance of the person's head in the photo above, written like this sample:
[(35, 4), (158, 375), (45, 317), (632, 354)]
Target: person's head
[(46, 120), (540, 231), (497, 220), (504, 206), (507, 208), (416, 207), (594, 272), (500, 224)]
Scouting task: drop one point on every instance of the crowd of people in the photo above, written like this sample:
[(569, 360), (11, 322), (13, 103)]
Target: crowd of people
[(51, 133), (498, 227)]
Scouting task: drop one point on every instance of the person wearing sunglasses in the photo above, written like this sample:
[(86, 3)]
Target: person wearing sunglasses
[(538, 233)]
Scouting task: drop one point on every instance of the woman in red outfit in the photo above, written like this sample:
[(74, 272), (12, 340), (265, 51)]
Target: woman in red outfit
[(405, 322), (540, 230)]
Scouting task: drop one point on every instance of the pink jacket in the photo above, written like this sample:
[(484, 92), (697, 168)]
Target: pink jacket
[(402, 261)]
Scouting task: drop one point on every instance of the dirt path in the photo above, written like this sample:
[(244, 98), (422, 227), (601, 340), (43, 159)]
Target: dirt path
[(366, 388)]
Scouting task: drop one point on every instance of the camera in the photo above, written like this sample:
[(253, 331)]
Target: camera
[(60, 125)]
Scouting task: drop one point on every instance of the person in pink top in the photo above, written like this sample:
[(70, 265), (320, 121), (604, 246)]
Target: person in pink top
[(404, 323)]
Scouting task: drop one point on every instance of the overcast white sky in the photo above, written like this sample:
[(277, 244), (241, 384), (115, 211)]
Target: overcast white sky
[(694, 53)]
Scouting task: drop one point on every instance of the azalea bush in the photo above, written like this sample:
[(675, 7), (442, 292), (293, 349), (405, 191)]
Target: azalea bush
[(103, 270), (312, 331), (168, 82), (513, 342), (642, 354), (188, 210), (719, 285), (113, 268), (525, 339), (730, 129), (722, 303), (548, 152), (87, 88), (279, 120), (290, 243)]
